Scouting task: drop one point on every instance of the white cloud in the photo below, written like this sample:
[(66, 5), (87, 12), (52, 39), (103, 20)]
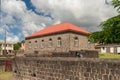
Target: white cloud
[(1, 31), (84, 13), (13, 7), (7, 19), (12, 39), (30, 27)]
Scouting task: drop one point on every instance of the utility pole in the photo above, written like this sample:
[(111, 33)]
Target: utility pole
[(5, 52), (7, 60), (5, 41)]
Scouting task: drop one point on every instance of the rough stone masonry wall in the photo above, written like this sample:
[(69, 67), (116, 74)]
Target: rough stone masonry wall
[(82, 54), (67, 39), (61, 68)]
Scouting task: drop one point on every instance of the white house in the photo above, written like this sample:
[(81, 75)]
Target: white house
[(9, 47), (108, 48)]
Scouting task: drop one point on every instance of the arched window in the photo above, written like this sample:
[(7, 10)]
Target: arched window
[(29, 44), (50, 42), (76, 41), (59, 41), (36, 44), (42, 44), (89, 44)]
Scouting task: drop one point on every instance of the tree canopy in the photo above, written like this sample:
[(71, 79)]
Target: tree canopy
[(110, 29), (116, 4), (17, 46)]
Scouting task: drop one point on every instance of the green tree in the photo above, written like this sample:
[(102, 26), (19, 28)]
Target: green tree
[(96, 37), (17, 46), (110, 29), (116, 4)]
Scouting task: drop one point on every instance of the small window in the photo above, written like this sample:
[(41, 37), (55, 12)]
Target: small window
[(103, 48), (36, 44), (42, 44), (59, 42), (76, 42), (50, 43), (29, 44)]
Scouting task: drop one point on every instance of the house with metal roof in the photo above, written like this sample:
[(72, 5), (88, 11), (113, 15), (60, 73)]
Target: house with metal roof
[(62, 37), (108, 48)]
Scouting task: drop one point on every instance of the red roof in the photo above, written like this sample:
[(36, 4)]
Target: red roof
[(63, 27)]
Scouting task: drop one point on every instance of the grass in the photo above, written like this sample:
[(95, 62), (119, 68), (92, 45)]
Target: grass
[(6, 76), (109, 55)]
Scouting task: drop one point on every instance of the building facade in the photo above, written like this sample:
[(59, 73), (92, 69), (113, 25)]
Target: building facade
[(63, 37), (9, 47), (108, 48)]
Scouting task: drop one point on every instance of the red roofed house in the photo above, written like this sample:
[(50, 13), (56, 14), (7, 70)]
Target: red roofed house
[(62, 37)]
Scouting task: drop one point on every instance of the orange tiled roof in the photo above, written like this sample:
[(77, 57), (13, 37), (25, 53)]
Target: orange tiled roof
[(63, 27)]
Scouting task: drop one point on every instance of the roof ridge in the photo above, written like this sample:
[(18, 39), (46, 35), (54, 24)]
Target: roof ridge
[(62, 27)]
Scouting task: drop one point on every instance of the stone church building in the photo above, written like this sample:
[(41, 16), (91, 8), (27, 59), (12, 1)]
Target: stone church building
[(62, 37)]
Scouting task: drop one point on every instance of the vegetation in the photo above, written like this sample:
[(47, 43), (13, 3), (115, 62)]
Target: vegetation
[(116, 4), (6, 76), (108, 55), (17, 46), (110, 29)]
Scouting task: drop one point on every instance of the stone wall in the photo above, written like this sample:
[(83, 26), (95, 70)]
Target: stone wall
[(65, 68), (67, 39), (54, 47), (81, 54)]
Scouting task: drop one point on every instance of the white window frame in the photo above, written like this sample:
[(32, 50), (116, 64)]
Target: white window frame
[(42, 44), (59, 42), (76, 41), (30, 45), (50, 42), (103, 49), (118, 49), (111, 49), (89, 44), (36, 44)]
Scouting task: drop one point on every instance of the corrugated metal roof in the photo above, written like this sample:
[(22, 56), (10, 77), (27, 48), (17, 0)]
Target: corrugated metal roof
[(107, 45)]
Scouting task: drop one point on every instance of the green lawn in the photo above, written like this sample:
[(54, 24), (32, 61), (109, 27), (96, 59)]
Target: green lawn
[(108, 55), (6, 76)]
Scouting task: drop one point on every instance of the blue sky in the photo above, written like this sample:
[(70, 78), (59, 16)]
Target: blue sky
[(31, 7), (24, 17)]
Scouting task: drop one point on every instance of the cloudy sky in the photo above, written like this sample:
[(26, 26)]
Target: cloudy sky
[(24, 17)]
